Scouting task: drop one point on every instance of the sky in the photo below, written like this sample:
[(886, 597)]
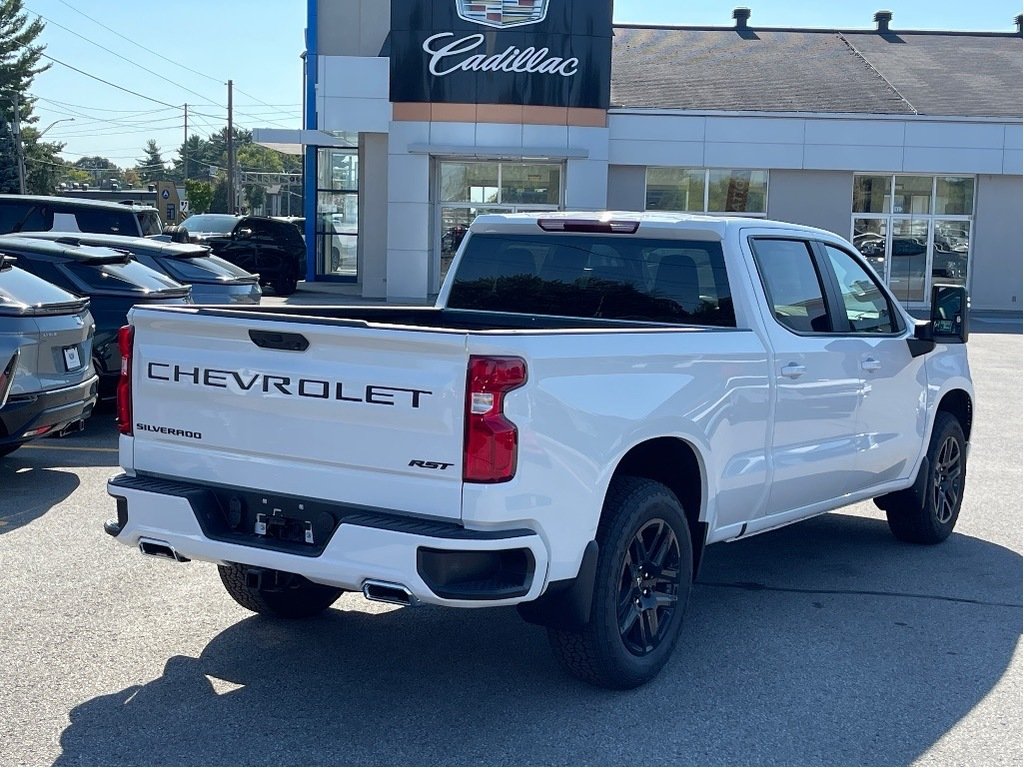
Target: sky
[(173, 53)]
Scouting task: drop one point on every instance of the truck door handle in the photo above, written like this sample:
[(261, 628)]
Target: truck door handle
[(793, 371), (871, 365)]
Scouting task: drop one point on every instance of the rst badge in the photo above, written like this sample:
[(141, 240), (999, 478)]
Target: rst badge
[(502, 13)]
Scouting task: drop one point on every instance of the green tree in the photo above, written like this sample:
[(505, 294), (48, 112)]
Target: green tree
[(44, 167), (219, 203), (200, 195), (101, 170), (152, 165), (20, 56)]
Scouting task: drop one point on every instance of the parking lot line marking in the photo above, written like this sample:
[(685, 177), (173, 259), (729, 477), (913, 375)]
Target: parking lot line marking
[(66, 448)]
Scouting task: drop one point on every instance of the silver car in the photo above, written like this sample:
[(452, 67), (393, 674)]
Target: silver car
[(47, 379), (213, 280)]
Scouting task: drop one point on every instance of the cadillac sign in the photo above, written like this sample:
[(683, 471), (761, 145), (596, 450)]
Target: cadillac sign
[(502, 13), (532, 52)]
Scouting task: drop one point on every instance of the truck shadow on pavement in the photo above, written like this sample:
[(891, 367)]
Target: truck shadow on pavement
[(28, 491), (824, 643)]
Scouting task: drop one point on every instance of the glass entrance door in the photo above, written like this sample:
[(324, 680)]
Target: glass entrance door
[(915, 231), (465, 190)]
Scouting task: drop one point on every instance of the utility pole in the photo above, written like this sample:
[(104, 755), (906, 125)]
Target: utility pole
[(184, 153), (232, 200), (19, 146)]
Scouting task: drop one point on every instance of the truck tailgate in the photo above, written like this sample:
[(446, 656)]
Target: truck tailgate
[(362, 415)]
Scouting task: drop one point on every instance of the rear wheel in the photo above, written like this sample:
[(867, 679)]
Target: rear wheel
[(927, 512), (644, 571), (284, 595), (285, 286)]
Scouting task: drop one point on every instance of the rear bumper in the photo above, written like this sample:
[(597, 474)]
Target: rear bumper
[(51, 409), (438, 563)]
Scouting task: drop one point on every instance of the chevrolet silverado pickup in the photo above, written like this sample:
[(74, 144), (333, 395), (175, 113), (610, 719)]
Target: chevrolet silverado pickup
[(593, 400)]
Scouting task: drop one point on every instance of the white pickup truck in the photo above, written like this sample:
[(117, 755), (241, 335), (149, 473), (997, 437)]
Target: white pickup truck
[(593, 400)]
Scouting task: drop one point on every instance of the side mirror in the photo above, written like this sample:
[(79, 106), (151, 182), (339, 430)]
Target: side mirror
[(949, 319), (948, 323), (244, 234)]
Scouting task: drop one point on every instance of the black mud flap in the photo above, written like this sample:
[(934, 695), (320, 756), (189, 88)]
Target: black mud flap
[(565, 604)]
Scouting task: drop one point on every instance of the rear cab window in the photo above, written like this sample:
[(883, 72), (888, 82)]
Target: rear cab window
[(593, 276)]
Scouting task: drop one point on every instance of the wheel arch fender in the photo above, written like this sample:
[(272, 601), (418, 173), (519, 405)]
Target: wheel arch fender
[(677, 461)]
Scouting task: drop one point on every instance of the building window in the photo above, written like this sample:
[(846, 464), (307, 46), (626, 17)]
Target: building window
[(914, 230), (469, 189), (708, 190), (337, 213)]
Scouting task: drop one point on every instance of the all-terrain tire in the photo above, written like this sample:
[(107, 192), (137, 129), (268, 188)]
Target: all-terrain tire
[(927, 512), (292, 598), (642, 585)]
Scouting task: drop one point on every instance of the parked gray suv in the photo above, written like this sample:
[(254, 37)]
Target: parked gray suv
[(47, 379)]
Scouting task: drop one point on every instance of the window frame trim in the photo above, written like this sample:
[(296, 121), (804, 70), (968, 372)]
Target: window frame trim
[(827, 296), (838, 305)]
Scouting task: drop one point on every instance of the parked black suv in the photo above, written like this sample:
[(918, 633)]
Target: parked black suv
[(272, 249), (113, 281), (37, 213)]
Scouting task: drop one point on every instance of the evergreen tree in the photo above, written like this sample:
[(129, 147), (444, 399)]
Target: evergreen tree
[(152, 166), (19, 64), (19, 58)]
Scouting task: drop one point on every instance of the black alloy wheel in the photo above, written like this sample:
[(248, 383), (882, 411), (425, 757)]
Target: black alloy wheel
[(648, 587), (946, 487)]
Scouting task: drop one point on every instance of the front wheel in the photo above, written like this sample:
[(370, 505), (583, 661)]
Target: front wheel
[(927, 512), (642, 585), (284, 595)]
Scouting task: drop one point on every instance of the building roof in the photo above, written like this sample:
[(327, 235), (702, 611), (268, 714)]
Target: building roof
[(814, 70)]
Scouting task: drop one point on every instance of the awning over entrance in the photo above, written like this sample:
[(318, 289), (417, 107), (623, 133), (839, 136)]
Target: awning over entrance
[(294, 141)]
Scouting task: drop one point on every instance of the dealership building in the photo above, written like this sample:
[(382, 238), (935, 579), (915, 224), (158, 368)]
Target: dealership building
[(422, 114)]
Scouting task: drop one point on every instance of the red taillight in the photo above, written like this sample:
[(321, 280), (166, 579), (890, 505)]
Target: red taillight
[(125, 341), (492, 441)]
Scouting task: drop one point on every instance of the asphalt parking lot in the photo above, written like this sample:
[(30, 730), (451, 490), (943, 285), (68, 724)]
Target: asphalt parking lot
[(824, 643)]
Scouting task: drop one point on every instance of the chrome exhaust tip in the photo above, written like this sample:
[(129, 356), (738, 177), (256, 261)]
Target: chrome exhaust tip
[(388, 592), (162, 549)]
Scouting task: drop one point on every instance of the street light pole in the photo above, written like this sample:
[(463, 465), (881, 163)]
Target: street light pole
[(62, 120)]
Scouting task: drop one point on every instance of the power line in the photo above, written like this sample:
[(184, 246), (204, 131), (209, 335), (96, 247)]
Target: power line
[(149, 50), (107, 82), (115, 85), (118, 55), (138, 45), (101, 109)]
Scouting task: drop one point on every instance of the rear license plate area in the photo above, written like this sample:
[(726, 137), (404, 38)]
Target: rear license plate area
[(72, 358), (282, 523)]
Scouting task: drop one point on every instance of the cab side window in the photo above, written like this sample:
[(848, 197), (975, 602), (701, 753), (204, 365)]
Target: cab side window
[(792, 284), (865, 308)]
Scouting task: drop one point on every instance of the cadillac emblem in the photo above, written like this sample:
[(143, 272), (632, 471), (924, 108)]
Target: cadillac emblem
[(502, 13)]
